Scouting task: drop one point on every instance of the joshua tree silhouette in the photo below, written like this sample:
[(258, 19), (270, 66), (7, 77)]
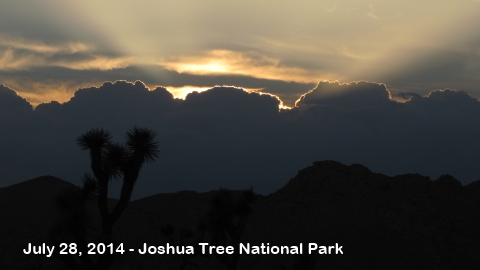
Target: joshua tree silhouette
[(108, 160)]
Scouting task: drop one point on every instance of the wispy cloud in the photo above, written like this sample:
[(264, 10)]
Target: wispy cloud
[(96, 62), (371, 13), (38, 46), (17, 53), (10, 60), (332, 9)]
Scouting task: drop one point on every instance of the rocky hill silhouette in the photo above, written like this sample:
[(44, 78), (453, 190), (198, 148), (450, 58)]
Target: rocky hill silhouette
[(402, 222)]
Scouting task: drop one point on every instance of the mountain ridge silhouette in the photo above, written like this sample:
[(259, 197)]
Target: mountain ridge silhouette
[(399, 222)]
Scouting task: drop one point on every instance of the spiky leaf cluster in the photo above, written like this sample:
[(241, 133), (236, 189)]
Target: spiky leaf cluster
[(114, 159), (110, 160), (141, 141), (96, 138)]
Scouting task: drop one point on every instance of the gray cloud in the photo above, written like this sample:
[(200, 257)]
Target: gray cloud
[(11, 103), (356, 94), (226, 137)]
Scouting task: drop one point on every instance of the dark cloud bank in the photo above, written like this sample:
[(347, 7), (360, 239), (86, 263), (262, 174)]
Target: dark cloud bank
[(226, 137), (150, 75)]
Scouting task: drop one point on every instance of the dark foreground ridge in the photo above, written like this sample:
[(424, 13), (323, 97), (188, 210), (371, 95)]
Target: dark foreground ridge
[(402, 222)]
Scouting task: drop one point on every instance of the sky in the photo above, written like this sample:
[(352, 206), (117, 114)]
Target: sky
[(49, 49), (242, 93)]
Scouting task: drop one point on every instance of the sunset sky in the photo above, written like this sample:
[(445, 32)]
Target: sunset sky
[(49, 49)]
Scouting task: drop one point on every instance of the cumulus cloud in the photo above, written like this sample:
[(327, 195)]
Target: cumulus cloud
[(231, 100), (11, 103), (229, 137), (353, 94)]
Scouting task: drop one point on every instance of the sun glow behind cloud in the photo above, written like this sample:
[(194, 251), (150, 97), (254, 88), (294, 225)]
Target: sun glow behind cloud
[(227, 62), (182, 92)]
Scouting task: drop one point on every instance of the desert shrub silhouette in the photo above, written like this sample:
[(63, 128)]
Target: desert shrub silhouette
[(226, 221), (108, 161)]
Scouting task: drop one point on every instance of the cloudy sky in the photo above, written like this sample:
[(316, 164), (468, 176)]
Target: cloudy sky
[(392, 85), (49, 49)]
